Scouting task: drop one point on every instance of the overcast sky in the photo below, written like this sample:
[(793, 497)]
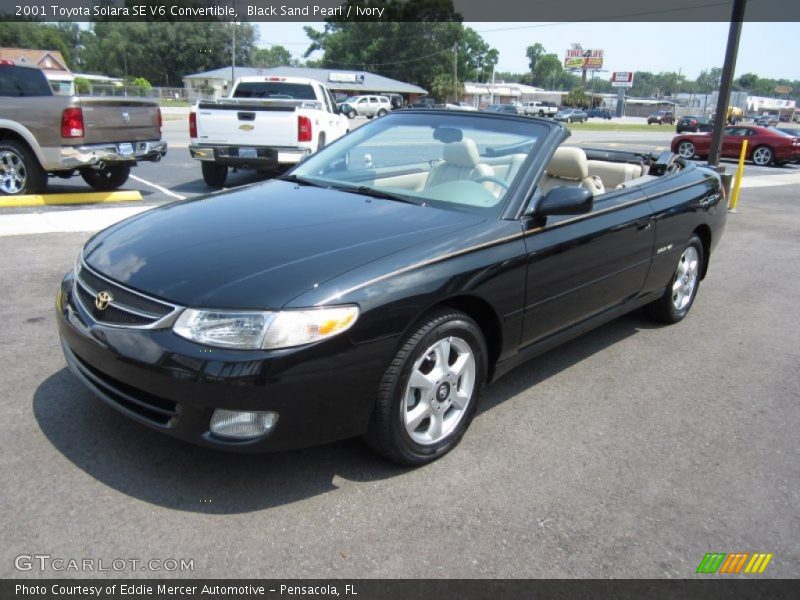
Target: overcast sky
[(768, 49)]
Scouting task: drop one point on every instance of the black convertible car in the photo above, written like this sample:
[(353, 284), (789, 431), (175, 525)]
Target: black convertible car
[(381, 284)]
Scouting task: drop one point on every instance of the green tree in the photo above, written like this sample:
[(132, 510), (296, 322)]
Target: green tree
[(274, 56), (82, 86), (548, 69), (577, 98), (533, 53)]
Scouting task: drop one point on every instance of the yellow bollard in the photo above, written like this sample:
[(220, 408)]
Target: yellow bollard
[(739, 173)]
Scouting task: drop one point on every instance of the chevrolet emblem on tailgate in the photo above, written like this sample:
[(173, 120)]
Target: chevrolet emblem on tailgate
[(246, 127)]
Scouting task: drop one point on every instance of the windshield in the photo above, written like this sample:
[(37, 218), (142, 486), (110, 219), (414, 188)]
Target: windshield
[(458, 162)]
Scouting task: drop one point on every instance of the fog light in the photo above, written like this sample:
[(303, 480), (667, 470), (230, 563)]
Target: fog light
[(241, 424)]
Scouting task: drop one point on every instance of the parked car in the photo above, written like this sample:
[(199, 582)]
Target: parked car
[(661, 117), (340, 301), (541, 109), (370, 106), (599, 113), (460, 106), (694, 124), (571, 115), (766, 121), (510, 109), (267, 124), (424, 102), (44, 135), (790, 132), (765, 146)]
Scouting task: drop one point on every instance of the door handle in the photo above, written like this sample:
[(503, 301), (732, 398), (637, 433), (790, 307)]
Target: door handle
[(644, 224)]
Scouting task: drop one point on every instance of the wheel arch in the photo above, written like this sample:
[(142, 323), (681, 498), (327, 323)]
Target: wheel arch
[(12, 131), (487, 319)]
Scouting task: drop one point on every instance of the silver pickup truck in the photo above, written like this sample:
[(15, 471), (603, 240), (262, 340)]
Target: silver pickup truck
[(43, 135)]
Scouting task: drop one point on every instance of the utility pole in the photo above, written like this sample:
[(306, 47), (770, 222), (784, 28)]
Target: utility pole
[(233, 57), (728, 69), (455, 71)]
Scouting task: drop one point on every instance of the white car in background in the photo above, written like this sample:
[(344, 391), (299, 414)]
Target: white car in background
[(368, 106)]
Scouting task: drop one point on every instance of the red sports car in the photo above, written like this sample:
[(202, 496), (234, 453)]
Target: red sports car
[(764, 145)]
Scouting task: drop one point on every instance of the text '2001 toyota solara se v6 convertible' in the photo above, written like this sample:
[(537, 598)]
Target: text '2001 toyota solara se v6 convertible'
[(376, 288)]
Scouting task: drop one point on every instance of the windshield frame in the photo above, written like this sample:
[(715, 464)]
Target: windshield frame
[(310, 170)]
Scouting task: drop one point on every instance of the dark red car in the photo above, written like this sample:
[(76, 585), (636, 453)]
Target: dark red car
[(661, 117), (764, 145)]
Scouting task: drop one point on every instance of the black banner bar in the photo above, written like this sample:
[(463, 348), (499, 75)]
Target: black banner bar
[(714, 587), (395, 10)]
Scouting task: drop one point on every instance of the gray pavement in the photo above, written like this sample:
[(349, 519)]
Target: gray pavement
[(629, 452)]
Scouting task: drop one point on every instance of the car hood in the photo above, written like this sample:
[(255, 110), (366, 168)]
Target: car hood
[(260, 246)]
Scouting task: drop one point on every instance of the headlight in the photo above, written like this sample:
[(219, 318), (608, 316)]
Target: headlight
[(251, 330)]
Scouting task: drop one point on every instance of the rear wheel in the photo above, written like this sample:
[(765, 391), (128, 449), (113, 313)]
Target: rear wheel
[(381, 112), (680, 293), (429, 393), (686, 149), (351, 114), (213, 174), (20, 171), (108, 178), (763, 155)]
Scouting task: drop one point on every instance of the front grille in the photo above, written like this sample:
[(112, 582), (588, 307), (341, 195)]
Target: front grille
[(126, 308), (155, 409)]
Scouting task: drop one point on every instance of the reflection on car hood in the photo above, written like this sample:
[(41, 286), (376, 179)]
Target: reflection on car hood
[(260, 246)]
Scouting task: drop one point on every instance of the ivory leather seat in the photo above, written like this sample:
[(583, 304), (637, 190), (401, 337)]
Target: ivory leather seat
[(569, 167), (461, 162)]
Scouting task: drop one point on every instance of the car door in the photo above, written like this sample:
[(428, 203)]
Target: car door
[(732, 138), (337, 123), (581, 266)]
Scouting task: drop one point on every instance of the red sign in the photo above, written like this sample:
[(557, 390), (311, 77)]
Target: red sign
[(622, 79)]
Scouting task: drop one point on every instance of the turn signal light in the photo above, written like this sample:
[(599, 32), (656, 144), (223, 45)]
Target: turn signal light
[(303, 129), (72, 123)]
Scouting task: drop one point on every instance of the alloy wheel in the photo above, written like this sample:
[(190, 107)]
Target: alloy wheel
[(13, 174), (686, 149), (439, 390), (762, 156), (686, 276)]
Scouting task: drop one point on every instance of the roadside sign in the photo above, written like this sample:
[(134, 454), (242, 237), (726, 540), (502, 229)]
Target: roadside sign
[(783, 89), (622, 79), (576, 58)]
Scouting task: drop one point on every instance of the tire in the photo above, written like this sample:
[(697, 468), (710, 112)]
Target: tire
[(416, 424), (681, 290), (381, 113), (762, 156), (213, 174), (541, 113), (351, 114), (20, 171), (686, 149), (107, 179), (370, 116)]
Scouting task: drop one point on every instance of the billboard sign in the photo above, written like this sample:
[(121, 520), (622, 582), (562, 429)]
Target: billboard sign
[(334, 77), (623, 79), (583, 59)]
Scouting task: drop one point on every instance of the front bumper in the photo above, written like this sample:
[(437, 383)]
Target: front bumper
[(76, 157), (322, 392)]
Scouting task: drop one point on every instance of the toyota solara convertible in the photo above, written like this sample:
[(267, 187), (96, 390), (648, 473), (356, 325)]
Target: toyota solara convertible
[(377, 288)]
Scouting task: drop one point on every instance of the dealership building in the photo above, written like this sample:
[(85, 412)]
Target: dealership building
[(341, 83)]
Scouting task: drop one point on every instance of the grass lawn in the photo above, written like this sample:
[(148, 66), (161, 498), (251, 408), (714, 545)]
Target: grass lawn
[(616, 126)]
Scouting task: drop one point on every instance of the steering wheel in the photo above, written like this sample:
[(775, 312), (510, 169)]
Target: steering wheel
[(492, 178)]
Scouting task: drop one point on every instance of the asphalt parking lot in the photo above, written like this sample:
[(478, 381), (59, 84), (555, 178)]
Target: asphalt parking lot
[(629, 452)]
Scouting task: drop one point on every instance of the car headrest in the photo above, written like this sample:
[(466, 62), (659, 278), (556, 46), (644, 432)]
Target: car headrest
[(568, 163), (462, 154)]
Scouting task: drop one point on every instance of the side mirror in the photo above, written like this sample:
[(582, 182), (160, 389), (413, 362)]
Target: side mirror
[(565, 200)]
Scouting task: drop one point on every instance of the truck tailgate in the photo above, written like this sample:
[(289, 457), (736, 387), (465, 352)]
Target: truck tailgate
[(119, 120), (241, 125)]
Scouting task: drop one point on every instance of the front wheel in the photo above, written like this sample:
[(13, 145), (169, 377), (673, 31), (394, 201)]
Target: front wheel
[(351, 114), (680, 293), (109, 178), (763, 155), (429, 393), (213, 174)]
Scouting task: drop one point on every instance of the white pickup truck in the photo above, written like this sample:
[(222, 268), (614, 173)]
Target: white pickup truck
[(267, 123), (539, 109)]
